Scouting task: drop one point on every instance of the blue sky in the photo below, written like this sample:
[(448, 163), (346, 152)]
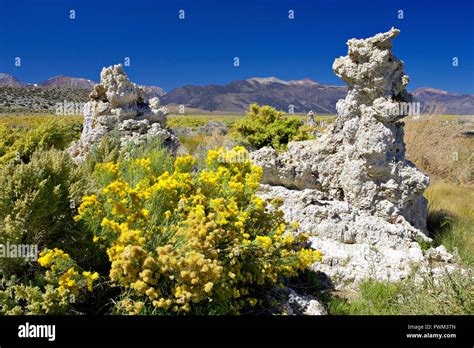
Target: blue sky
[(200, 49)]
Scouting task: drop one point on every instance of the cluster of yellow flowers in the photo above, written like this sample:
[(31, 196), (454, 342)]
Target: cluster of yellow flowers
[(62, 270), (192, 238), (109, 166), (86, 202), (49, 256)]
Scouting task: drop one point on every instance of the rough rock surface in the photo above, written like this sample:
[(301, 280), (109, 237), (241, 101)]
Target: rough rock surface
[(214, 127), (117, 103), (290, 302), (356, 245), (353, 189)]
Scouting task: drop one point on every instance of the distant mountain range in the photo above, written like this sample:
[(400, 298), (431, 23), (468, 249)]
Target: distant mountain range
[(65, 81), (236, 96), (442, 102), (70, 82), (304, 95)]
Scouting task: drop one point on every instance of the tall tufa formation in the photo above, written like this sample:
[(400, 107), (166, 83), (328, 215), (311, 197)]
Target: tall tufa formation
[(117, 103), (353, 190), (361, 159)]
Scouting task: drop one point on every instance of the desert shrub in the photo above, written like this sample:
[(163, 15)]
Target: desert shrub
[(34, 196), (36, 206), (152, 148), (51, 133), (108, 150), (265, 126), (187, 240), (59, 290), (7, 139), (17, 298)]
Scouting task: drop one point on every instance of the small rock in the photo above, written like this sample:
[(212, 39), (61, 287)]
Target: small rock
[(293, 303), (439, 254), (213, 127)]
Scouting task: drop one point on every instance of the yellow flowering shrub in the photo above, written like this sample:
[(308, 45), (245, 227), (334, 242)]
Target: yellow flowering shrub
[(63, 272), (57, 291), (188, 239)]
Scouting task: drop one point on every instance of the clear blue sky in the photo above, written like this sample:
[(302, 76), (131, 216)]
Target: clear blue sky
[(199, 50)]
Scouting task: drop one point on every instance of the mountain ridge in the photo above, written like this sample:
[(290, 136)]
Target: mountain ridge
[(9, 80), (301, 95), (68, 81)]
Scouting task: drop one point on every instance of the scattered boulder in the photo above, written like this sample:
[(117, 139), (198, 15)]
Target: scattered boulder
[(214, 127), (287, 301), (184, 131), (117, 103), (439, 254)]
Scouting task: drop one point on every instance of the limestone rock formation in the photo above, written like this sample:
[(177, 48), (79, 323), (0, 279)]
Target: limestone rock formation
[(353, 188), (117, 103), (356, 244), (361, 160)]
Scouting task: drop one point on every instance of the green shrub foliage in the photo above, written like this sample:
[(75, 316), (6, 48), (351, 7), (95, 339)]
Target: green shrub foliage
[(265, 126)]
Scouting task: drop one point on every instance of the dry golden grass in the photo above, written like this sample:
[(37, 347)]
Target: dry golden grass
[(457, 200), (437, 145)]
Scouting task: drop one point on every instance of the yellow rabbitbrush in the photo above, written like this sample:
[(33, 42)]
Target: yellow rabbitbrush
[(188, 239), (63, 271)]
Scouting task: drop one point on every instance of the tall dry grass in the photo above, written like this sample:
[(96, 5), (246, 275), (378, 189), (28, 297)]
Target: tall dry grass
[(451, 218), (439, 147)]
